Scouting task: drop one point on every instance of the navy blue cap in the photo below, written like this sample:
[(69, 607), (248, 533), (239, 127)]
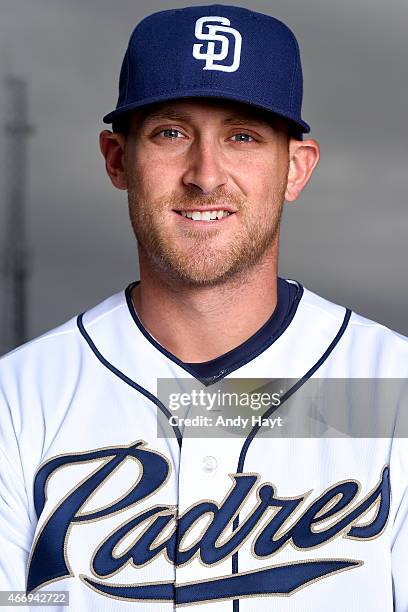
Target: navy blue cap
[(213, 51)]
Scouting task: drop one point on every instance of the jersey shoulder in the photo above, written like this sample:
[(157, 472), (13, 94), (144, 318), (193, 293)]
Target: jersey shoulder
[(54, 359), (362, 336)]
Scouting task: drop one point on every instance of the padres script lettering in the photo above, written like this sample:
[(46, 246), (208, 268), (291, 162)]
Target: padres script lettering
[(48, 560)]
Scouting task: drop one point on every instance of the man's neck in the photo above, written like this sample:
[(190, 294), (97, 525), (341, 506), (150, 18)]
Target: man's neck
[(199, 324)]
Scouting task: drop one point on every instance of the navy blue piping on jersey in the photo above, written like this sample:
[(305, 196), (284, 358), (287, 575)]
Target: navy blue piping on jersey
[(256, 428), (125, 378), (209, 372)]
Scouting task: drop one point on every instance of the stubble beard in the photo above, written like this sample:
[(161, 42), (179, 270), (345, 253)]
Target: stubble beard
[(201, 264)]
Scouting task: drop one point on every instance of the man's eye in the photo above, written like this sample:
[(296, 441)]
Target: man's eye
[(243, 137), (171, 134)]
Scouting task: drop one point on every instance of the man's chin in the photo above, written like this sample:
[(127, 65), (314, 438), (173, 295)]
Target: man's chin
[(194, 278), (202, 265), (201, 276)]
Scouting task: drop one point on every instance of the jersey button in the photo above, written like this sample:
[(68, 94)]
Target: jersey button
[(209, 463)]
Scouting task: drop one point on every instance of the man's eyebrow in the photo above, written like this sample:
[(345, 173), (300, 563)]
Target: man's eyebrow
[(167, 114), (174, 115), (243, 120)]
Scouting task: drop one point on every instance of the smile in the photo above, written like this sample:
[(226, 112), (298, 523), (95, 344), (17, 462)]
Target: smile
[(206, 215)]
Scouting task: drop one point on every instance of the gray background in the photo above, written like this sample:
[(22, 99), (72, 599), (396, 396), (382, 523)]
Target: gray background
[(346, 236)]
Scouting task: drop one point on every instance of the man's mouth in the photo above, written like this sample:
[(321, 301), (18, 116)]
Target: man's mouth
[(205, 215)]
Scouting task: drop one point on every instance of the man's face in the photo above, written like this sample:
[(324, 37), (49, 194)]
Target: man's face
[(189, 157)]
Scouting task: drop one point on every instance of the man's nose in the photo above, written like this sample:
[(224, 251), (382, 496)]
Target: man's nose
[(205, 168)]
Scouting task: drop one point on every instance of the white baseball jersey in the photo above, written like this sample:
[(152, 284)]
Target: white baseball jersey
[(95, 502)]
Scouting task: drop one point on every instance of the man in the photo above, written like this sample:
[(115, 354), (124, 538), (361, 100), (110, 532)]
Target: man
[(208, 142)]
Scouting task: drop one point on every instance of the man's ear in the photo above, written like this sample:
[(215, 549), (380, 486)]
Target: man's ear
[(303, 158), (112, 146)]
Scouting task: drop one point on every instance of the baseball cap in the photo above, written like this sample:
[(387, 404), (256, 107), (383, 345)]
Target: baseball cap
[(217, 51)]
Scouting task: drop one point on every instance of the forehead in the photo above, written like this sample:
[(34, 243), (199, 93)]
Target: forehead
[(226, 111)]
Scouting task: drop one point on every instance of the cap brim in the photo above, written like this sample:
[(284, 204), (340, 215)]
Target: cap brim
[(204, 93)]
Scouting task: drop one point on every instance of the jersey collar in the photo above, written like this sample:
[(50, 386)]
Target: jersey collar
[(289, 294)]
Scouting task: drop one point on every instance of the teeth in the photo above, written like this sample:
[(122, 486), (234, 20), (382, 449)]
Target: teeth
[(205, 215)]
